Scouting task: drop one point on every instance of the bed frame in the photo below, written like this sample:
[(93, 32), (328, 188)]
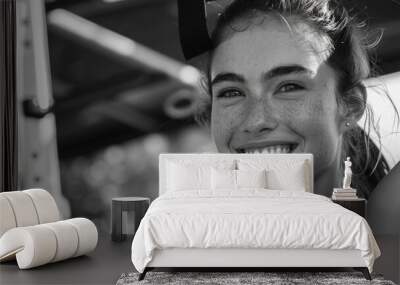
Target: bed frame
[(260, 259), (248, 259)]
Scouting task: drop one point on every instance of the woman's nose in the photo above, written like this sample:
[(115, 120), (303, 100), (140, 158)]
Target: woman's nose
[(259, 118)]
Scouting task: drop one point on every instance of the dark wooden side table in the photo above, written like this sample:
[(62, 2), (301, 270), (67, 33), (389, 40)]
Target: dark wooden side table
[(137, 205), (358, 205)]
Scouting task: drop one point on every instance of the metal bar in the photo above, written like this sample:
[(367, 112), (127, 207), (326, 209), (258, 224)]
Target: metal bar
[(39, 165), (98, 8), (129, 51), (127, 115)]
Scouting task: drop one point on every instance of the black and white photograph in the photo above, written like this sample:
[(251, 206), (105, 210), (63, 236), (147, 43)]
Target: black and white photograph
[(200, 142)]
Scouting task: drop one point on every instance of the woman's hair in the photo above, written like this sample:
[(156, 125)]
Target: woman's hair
[(348, 57)]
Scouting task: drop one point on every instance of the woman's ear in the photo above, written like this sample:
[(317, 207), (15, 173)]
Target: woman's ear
[(352, 106)]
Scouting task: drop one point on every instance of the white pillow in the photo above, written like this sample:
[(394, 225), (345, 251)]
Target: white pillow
[(223, 179), (282, 174), (290, 179), (203, 162), (230, 180), (185, 177), (251, 178)]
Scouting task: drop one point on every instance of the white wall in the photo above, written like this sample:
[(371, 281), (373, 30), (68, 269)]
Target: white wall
[(385, 116)]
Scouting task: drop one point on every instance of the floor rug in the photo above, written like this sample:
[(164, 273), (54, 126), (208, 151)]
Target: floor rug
[(269, 278)]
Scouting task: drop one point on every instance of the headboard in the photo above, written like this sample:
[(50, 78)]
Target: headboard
[(164, 157)]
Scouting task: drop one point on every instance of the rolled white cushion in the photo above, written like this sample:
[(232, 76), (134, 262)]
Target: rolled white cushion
[(23, 208), (40, 244), (45, 205), (67, 240), (33, 246), (7, 218), (87, 234)]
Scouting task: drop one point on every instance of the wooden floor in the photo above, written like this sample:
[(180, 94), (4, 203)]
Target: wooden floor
[(103, 266), (111, 259)]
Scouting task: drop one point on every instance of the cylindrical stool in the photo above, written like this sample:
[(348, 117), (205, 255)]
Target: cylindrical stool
[(137, 205)]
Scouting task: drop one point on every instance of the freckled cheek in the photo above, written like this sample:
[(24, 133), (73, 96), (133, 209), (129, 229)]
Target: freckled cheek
[(312, 114), (314, 121), (322, 115), (224, 124)]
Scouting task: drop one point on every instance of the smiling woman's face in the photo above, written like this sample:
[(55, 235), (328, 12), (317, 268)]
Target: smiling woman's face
[(274, 93)]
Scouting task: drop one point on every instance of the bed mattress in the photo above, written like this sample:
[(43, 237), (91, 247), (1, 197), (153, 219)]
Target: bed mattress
[(251, 219)]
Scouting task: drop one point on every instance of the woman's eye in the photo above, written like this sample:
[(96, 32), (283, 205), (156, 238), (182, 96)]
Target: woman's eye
[(289, 87), (230, 93)]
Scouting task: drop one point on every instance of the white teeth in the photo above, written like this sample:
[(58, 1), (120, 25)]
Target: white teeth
[(284, 148)]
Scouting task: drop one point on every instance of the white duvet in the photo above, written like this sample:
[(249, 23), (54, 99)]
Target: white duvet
[(251, 218)]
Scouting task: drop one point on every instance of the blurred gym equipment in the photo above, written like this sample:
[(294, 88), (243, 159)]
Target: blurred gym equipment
[(103, 98), (37, 145)]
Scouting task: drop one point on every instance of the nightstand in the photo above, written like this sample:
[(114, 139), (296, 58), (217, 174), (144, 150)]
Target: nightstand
[(358, 205), (136, 205)]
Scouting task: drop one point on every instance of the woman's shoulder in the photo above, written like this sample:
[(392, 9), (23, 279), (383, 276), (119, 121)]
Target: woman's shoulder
[(384, 204), (391, 180)]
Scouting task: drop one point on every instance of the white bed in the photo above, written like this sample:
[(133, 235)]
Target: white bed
[(250, 227)]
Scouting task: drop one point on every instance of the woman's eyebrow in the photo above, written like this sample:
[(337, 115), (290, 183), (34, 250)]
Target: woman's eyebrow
[(285, 70), (275, 72), (227, 76)]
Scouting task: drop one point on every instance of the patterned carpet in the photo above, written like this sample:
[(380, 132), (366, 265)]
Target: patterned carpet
[(269, 278)]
